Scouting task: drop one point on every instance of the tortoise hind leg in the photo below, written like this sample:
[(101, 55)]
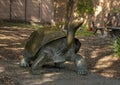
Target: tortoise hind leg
[(59, 65), (38, 63)]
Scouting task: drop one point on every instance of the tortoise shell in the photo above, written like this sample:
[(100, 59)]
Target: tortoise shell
[(40, 38)]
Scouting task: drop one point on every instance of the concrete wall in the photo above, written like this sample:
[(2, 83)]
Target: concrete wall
[(18, 9), (4, 9), (33, 10), (29, 10), (49, 10)]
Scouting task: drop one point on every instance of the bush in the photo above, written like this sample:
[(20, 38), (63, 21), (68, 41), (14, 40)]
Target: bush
[(116, 47)]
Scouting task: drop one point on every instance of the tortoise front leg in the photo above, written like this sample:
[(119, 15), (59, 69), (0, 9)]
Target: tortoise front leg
[(80, 64)]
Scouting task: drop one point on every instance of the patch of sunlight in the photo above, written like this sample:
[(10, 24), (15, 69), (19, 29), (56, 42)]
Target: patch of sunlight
[(34, 19), (105, 65), (48, 77), (94, 54), (9, 37), (1, 57), (14, 49), (105, 62), (51, 74), (98, 10), (82, 39), (2, 69), (2, 35), (26, 72), (24, 35), (2, 45), (17, 63), (108, 73), (16, 43), (97, 51)]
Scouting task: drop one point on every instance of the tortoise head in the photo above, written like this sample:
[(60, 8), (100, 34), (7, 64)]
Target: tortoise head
[(71, 31)]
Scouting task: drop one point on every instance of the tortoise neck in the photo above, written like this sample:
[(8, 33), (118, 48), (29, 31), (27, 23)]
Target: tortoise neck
[(71, 34)]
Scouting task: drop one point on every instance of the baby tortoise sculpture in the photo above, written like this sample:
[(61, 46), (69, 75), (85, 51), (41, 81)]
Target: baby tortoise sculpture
[(53, 45)]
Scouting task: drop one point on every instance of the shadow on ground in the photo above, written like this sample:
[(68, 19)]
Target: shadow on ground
[(96, 50), (99, 56)]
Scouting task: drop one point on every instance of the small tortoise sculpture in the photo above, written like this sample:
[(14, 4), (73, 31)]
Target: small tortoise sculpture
[(53, 45)]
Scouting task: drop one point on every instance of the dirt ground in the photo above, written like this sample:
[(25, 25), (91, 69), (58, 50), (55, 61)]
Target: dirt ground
[(104, 68)]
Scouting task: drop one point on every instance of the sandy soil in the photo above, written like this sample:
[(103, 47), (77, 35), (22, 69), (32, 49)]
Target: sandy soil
[(104, 68)]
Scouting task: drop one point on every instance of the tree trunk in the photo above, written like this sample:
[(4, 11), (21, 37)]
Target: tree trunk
[(71, 7)]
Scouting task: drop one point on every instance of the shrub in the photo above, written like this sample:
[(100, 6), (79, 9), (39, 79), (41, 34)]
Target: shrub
[(116, 47)]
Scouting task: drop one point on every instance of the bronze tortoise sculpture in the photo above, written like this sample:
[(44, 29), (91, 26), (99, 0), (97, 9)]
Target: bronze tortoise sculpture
[(53, 45)]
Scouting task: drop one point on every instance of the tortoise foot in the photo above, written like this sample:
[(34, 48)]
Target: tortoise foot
[(23, 63), (82, 72)]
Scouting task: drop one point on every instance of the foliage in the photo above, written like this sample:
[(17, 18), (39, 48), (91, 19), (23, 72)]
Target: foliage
[(116, 47), (85, 7), (115, 10), (83, 31), (20, 24)]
